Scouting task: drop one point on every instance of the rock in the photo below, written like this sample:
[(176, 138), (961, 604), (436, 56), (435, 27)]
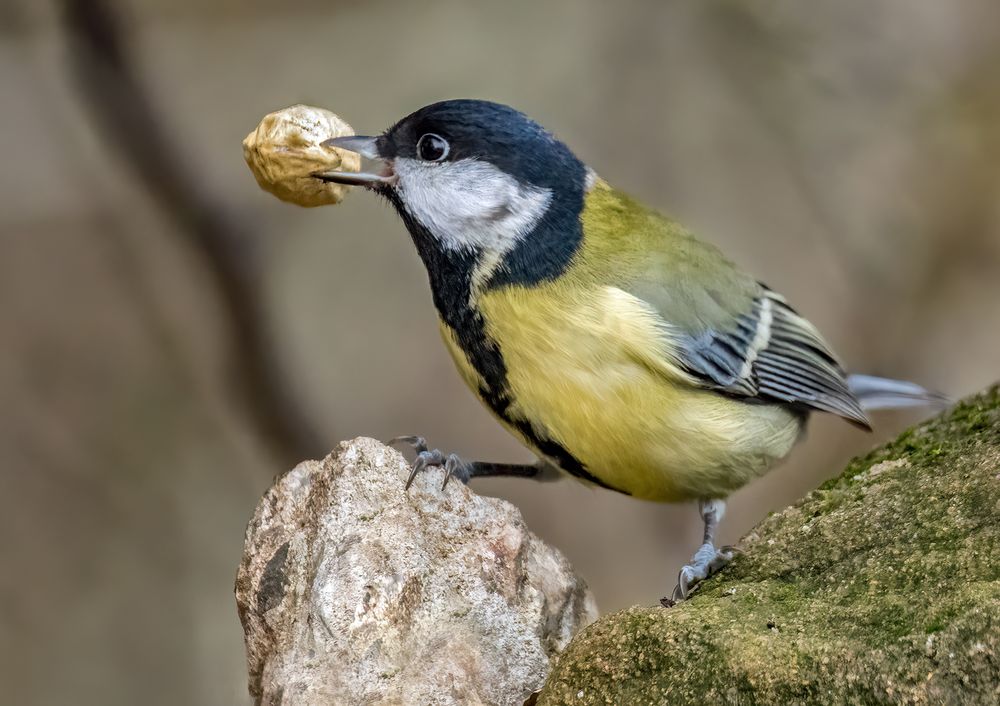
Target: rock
[(355, 591), (883, 586)]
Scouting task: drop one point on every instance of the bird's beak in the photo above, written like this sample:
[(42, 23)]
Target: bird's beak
[(367, 148)]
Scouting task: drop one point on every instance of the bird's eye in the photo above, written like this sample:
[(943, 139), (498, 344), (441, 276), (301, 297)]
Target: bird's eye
[(432, 148)]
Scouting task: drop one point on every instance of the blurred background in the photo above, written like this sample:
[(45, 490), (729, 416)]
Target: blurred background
[(173, 337)]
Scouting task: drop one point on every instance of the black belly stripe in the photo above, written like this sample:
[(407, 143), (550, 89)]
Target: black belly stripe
[(563, 458), (484, 355), (450, 274), (496, 394)]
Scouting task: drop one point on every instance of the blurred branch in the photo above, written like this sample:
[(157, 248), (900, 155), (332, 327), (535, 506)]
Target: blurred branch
[(128, 119)]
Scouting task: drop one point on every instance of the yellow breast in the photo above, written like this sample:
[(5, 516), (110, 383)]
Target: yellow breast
[(573, 374)]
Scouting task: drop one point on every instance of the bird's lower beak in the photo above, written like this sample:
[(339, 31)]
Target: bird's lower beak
[(367, 148)]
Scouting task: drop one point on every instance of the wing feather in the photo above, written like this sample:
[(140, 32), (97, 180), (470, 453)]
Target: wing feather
[(772, 353), (698, 318)]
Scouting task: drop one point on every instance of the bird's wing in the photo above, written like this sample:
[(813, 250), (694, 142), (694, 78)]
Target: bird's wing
[(729, 333)]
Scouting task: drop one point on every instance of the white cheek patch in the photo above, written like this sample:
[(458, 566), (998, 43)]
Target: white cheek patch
[(470, 204)]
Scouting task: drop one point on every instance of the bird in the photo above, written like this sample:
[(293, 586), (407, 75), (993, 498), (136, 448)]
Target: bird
[(612, 342)]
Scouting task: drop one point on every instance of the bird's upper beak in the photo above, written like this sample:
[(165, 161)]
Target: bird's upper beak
[(367, 147)]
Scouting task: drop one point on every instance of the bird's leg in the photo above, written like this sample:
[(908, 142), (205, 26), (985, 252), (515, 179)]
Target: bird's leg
[(456, 468), (707, 560)]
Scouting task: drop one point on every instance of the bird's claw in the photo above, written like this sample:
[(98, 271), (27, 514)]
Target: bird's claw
[(454, 467), (707, 561), (423, 460), (417, 443)]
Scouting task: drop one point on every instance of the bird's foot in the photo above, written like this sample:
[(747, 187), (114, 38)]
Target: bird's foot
[(454, 467), (706, 561)]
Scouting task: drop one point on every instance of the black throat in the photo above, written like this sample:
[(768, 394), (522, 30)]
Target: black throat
[(450, 274)]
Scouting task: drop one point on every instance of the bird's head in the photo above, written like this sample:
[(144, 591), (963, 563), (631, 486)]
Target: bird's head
[(473, 177)]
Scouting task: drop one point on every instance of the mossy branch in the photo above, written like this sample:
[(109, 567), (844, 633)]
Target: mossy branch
[(882, 586)]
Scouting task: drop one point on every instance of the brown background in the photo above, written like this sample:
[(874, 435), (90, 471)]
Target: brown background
[(848, 153)]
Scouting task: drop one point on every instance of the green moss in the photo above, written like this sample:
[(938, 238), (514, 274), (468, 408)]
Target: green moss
[(882, 586)]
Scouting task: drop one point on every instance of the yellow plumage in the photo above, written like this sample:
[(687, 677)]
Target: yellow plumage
[(611, 341), (592, 368)]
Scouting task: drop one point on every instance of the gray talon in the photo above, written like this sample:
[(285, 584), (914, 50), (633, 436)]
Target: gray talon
[(455, 467), (721, 559), (707, 560), (418, 443), (681, 589), (424, 459), (452, 464)]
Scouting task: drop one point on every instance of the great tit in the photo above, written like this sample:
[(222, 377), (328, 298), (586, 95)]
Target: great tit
[(606, 337)]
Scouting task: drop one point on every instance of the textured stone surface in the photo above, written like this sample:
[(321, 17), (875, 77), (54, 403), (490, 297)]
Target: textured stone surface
[(354, 591), (883, 586)]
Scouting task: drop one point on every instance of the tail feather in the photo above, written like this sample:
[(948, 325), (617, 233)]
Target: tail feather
[(883, 393)]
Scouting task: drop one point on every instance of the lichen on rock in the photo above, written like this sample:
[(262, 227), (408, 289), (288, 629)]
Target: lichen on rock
[(355, 591), (882, 586)]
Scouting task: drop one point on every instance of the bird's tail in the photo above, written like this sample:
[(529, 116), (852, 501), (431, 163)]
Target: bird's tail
[(882, 393)]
